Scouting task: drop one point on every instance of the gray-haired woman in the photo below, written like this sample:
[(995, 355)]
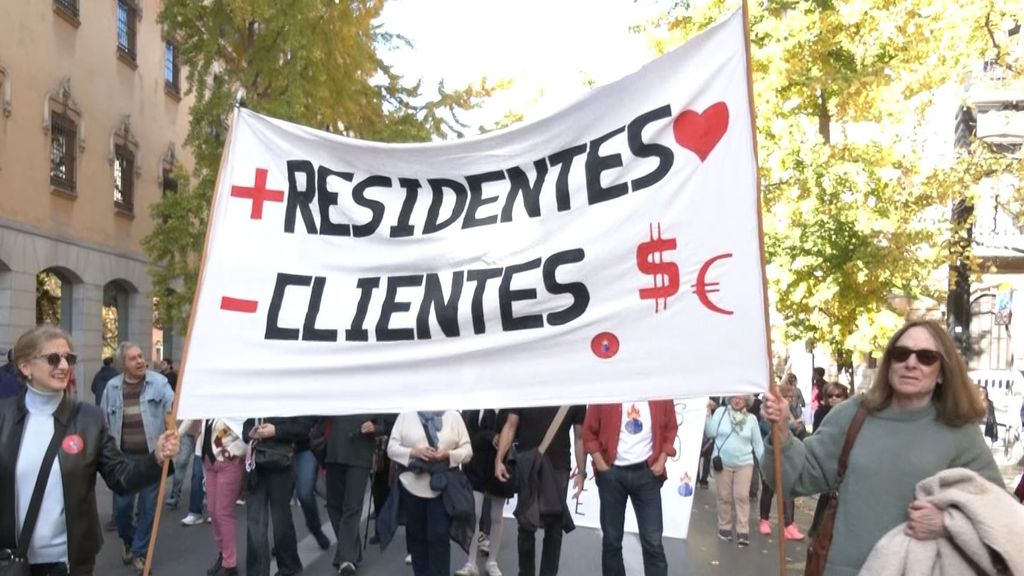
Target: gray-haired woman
[(737, 441)]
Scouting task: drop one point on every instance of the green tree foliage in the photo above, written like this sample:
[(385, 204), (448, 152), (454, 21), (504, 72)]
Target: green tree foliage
[(314, 62), (855, 214)]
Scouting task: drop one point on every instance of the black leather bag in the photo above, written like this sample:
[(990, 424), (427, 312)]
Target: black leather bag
[(511, 461), (272, 456), (716, 464), (13, 565)]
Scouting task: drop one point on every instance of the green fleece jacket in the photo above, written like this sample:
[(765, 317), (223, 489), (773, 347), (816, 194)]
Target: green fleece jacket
[(893, 452)]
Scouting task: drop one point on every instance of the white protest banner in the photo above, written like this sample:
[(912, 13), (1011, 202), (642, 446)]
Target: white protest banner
[(676, 493), (610, 252)]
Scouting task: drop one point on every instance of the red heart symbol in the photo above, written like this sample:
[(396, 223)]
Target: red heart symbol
[(700, 132)]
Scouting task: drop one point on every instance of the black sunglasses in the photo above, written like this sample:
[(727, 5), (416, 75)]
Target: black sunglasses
[(924, 356), (54, 358)]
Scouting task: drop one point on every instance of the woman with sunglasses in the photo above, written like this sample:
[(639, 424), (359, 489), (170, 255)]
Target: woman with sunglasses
[(66, 538), (831, 395), (922, 415)]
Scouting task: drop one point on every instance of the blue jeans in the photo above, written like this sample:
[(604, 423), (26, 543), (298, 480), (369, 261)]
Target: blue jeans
[(188, 447), (306, 469), (195, 498), (426, 534), (132, 534), (637, 483)]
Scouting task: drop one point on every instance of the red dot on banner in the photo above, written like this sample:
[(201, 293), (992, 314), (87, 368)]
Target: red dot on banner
[(73, 444), (605, 345)]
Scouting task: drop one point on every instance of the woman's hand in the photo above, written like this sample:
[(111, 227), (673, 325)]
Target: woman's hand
[(167, 446), (925, 521), (775, 409), (440, 455), (263, 431), (425, 453)]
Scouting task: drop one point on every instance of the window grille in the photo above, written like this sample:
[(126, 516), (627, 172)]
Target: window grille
[(126, 17), (69, 7), (124, 177), (63, 143), (172, 74)]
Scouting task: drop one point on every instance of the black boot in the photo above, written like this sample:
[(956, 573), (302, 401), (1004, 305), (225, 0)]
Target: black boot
[(321, 539), (215, 569)]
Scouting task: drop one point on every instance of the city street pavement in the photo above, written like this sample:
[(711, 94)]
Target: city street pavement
[(189, 551)]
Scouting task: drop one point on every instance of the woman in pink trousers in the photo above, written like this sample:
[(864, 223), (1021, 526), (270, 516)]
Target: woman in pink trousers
[(223, 452)]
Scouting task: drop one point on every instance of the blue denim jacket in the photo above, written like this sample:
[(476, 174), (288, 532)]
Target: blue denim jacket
[(155, 401)]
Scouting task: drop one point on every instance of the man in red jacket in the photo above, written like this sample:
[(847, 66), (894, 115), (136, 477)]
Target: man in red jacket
[(629, 444)]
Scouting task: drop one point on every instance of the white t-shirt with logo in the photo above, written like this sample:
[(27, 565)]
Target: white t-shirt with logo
[(635, 439)]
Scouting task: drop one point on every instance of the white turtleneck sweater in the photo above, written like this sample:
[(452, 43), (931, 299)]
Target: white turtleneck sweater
[(50, 538)]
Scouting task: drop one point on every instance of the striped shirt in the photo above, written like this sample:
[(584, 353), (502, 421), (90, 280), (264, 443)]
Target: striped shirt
[(133, 433)]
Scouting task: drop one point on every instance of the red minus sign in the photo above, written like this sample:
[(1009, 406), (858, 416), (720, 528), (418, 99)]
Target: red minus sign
[(238, 305)]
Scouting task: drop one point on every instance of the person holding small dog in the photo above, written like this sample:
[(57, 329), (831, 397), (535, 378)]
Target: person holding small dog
[(737, 441)]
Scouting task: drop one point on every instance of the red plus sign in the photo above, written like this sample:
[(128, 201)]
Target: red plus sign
[(258, 193)]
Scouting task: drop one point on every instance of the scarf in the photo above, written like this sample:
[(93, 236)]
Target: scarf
[(432, 423), (738, 419)]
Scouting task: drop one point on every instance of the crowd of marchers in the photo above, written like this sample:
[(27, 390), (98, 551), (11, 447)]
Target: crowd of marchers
[(902, 469)]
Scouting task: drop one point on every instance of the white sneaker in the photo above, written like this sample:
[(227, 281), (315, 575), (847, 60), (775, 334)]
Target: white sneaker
[(491, 568), (468, 570), (192, 520), (483, 543), (408, 558)]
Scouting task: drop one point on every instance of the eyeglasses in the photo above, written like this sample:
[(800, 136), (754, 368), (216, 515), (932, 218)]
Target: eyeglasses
[(924, 356), (54, 358)]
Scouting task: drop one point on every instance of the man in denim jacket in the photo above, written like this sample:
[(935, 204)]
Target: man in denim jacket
[(134, 404)]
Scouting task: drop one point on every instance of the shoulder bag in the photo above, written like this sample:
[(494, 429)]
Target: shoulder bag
[(716, 460), (271, 455), (512, 455), (817, 551), (15, 562)]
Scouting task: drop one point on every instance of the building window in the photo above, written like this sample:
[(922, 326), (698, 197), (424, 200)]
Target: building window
[(172, 75), (63, 142), (127, 14), (170, 184), (67, 9), (124, 177)]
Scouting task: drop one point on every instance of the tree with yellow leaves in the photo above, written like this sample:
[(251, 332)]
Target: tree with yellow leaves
[(856, 207)]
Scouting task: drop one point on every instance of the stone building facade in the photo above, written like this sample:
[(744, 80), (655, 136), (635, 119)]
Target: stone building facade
[(92, 121)]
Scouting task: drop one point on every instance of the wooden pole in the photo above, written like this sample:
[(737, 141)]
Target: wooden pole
[(776, 430), (172, 417)]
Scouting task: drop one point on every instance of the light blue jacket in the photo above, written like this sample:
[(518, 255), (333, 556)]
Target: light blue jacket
[(155, 401), (737, 448)]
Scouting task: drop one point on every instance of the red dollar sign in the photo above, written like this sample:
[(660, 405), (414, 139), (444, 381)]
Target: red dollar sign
[(650, 259)]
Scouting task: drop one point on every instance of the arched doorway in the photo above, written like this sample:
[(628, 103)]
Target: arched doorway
[(54, 300), (116, 314)]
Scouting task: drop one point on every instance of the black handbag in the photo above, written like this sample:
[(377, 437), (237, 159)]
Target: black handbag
[(15, 562), (271, 456), (511, 461)]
